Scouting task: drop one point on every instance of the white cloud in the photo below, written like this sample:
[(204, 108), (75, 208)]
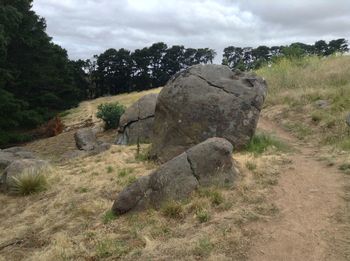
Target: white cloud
[(88, 27)]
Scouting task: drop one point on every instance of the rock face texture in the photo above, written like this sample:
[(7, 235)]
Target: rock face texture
[(17, 167), (347, 119), (86, 140), (7, 156), (137, 121), (206, 101), (208, 163)]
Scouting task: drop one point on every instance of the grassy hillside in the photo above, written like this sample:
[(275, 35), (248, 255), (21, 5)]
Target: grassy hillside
[(72, 219), (296, 86)]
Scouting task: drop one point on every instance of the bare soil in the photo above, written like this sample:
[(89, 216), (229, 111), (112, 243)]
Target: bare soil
[(309, 195)]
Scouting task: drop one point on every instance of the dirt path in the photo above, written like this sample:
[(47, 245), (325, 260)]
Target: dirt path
[(308, 195)]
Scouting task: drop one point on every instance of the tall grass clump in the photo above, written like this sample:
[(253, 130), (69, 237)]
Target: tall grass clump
[(29, 182)]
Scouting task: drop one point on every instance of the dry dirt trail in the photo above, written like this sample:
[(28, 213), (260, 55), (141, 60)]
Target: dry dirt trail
[(308, 195)]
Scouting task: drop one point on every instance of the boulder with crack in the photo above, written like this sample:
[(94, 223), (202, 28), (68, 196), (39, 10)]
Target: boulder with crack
[(136, 124), (206, 101), (206, 164)]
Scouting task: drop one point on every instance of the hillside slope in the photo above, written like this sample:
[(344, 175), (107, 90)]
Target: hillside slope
[(291, 200)]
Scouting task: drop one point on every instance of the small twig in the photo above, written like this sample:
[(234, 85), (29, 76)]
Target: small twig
[(10, 243)]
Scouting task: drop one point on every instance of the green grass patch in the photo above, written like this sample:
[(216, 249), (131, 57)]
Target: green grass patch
[(110, 169), (125, 172), (261, 142), (203, 247), (203, 216), (110, 247), (108, 217), (214, 195)]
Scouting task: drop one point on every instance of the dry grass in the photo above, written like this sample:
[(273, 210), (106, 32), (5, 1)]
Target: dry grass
[(87, 109), (295, 86), (72, 221)]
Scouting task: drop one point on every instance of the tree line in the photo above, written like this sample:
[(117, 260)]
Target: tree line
[(38, 80), (248, 58), (119, 71)]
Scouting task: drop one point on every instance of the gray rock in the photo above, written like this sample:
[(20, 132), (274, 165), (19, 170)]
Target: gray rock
[(322, 104), (206, 101), (85, 139), (212, 163), (99, 148), (69, 155), (132, 197), (206, 164), (7, 156), (17, 167), (137, 121), (347, 119)]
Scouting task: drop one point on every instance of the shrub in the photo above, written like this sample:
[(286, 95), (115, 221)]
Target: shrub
[(110, 113), (29, 182)]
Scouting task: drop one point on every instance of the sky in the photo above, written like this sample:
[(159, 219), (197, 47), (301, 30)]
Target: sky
[(88, 27)]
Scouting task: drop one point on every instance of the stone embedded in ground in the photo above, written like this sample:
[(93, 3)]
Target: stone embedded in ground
[(136, 124), (322, 103), (85, 139), (206, 164), (347, 120), (18, 167), (7, 156), (206, 101)]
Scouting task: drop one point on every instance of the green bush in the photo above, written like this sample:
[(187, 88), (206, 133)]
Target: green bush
[(110, 113)]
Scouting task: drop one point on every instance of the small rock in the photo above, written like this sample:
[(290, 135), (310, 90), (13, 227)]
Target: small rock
[(322, 103), (85, 139)]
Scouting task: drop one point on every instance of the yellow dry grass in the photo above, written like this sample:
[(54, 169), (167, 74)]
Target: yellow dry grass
[(87, 109), (295, 86), (72, 219)]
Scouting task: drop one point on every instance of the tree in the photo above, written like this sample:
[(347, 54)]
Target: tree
[(338, 46), (321, 48)]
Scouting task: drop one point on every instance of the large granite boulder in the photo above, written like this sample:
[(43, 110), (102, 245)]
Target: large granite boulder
[(136, 124), (206, 164), (206, 101), (18, 167)]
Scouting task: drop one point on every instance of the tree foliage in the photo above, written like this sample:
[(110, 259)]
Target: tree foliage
[(248, 58)]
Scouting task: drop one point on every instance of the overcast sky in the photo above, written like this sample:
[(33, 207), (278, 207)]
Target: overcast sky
[(88, 27)]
